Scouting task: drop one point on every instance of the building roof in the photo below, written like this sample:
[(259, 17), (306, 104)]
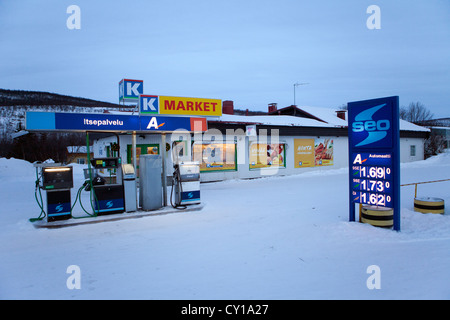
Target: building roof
[(408, 126), (326, 115), (273, 120), (305, 116), (441, 122), (319, 117)]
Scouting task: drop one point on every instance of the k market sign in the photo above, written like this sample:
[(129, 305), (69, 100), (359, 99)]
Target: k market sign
[(180, 106), (129, 90)]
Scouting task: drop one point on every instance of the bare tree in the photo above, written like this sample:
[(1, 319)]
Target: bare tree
[(434, 145), (416, 112)]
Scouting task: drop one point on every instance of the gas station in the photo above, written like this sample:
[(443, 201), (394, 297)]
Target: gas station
[(130, 179), (113, 184)]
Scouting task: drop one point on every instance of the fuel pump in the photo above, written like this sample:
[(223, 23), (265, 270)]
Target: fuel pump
[(186, 182), (107, 186), (57, 181), (129, 187)]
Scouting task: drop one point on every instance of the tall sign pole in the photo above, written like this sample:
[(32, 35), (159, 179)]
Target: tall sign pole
[(374, 155)]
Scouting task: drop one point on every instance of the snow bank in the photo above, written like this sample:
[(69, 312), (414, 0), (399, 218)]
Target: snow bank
[(271, 238)]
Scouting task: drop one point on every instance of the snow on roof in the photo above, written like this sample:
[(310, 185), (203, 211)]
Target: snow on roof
[(326, 114), (273, 120), (408, 126)]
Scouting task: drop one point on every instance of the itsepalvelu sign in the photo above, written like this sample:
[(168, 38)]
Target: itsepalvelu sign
[(60, 121)]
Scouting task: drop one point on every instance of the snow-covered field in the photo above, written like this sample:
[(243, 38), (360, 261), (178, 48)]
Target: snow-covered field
[(270, 238)]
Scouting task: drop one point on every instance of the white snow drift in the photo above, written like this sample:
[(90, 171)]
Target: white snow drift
[(269, 238)]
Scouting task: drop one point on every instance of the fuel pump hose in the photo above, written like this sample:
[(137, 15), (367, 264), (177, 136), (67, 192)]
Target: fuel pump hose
[(37, 190)]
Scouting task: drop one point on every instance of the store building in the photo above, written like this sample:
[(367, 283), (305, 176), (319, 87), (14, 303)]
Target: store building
[(288, 141)]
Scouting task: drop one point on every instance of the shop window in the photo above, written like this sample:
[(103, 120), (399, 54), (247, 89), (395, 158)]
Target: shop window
[(263, 155), (215, 156), (141, 149), (179, 150)]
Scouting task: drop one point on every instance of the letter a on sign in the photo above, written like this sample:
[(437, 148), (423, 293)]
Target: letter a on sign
[(357, 159), (153, 123)]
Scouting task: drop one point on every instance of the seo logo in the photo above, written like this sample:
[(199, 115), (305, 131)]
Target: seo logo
[(376, 130)]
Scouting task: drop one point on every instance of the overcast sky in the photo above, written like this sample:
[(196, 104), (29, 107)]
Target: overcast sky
[(251, 52)]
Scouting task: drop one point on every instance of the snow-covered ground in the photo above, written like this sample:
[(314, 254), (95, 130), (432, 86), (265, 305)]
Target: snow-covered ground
[(269, 238)]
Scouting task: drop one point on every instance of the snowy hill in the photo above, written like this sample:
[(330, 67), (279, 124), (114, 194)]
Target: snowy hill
[(270, 238), (39, 98), (14, 104)]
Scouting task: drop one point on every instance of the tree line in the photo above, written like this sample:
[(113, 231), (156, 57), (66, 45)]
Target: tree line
[(39, 98), (40, 146)]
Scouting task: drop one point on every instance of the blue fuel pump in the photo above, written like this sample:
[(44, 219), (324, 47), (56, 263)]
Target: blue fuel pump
[(57, 181)]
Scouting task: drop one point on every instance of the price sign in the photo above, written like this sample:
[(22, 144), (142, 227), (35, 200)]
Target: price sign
[(372, 186), (365, 172), (372, 179), (374, 155)]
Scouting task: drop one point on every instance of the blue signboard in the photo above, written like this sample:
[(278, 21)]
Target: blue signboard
[(96, 122), (129, 90), (49, 121), (165, 123), (148, 104), (371, 127), (374, 155)]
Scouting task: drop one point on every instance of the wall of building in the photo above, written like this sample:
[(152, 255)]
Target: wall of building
[(242, 156), (244, 170), (411, 149)]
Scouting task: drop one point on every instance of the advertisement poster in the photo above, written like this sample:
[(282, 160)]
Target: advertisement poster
[(304, 155), (267, 155), (215, 156), (313, 152), (323, 152)]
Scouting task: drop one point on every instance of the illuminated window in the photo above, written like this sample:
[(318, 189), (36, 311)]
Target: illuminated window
[(215, 156)]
